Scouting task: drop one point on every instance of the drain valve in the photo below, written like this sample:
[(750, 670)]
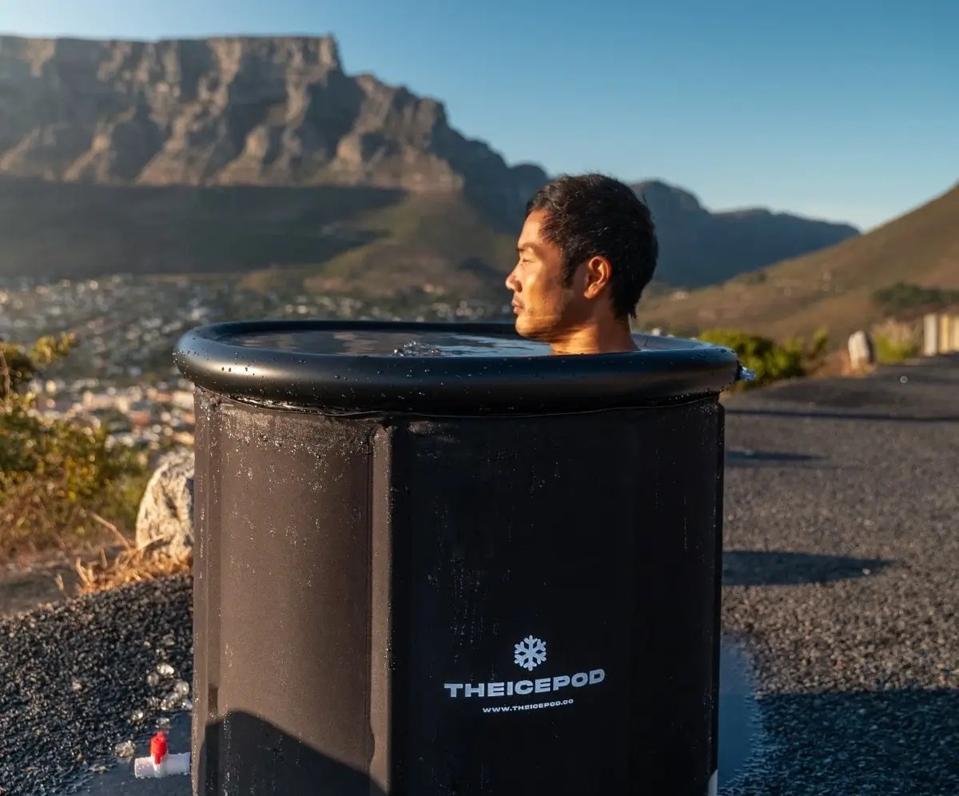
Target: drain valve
[(160, 763)]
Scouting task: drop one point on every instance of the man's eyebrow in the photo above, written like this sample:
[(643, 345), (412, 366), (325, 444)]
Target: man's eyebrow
[(531, 246)]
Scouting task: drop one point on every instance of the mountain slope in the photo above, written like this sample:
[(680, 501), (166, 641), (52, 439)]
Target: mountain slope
[(244, 154), (437, 244), (833, 287), (701, 248)]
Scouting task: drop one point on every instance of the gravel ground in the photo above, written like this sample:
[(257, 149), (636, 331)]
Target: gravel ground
[(73, 676), (841, 527), (841, 532)]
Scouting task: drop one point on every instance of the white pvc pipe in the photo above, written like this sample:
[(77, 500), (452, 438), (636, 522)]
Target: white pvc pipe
[(145, 768)]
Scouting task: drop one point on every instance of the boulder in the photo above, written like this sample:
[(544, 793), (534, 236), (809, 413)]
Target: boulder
[(165, 517)]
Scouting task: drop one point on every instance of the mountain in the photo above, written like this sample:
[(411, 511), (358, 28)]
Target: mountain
[(833, 288), (261, 155), (241, 154), (700, 248), (230, 111)]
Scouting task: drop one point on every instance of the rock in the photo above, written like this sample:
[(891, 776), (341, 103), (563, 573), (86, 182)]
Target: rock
[(861, 350), (165, 517)]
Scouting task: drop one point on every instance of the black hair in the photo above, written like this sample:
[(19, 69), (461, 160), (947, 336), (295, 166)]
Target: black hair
[(593, 215)]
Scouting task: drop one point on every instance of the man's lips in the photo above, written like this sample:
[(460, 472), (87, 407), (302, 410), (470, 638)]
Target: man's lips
[(517, 306)]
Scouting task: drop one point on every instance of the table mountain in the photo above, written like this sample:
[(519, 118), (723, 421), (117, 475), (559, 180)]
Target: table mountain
[(249, 153), (230, 111)]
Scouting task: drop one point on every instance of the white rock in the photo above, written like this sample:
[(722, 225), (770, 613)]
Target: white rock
[(165, 517), (861, 351)]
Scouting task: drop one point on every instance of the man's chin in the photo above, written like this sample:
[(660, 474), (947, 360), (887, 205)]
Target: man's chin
[(529, 331), (521, 328)]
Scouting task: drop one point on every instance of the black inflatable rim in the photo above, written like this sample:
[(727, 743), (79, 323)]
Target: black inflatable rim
[(445, 385)]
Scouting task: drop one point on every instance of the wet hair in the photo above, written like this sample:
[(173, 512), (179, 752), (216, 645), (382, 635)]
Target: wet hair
[(593, 215)]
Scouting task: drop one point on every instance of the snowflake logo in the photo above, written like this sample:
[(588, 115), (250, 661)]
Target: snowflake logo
[(529, 653)]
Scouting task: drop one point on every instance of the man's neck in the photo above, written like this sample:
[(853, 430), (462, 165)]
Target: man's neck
[(597, 337)]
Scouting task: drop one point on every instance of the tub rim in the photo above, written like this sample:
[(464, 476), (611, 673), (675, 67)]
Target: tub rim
[(446, 384)]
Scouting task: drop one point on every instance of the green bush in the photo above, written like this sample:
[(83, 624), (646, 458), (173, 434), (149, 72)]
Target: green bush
[(769, 360), (891, 352), (904, 296), (58, 478)]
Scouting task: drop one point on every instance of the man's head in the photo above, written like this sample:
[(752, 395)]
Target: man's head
[(586, 251)]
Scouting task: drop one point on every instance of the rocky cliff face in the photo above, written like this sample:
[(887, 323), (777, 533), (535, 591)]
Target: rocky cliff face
[(229, 111)]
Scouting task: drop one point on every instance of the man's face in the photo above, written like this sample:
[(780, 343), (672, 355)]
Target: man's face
[(543, 306)]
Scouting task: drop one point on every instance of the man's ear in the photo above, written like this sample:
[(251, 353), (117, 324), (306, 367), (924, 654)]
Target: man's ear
[(598, 273)]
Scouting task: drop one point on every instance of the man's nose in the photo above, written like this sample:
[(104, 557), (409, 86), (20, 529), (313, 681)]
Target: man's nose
[(512, 283)]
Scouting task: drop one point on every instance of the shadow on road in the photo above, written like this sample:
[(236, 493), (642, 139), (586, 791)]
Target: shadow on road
[(269, 760), (829, 415), (890, 742), (781, 568)]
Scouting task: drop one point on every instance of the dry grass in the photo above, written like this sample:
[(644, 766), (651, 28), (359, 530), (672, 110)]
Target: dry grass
[(124, 565)]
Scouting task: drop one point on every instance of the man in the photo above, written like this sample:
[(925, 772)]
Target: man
[(586, 251)]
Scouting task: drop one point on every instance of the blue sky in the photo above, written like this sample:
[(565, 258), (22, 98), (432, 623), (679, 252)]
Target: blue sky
[(844, 110)]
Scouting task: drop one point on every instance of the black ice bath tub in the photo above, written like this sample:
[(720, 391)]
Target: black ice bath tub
[(435, 559)]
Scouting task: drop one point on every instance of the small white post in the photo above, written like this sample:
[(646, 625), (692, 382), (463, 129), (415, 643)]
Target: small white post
[(945, 343), (861, 351), (930, 335)]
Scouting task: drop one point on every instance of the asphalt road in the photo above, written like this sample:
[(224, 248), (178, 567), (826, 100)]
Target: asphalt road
[(842, 554), (840, 579)]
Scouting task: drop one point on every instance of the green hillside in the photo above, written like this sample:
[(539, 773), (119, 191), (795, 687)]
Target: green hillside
[(438, 244), (364, 241)]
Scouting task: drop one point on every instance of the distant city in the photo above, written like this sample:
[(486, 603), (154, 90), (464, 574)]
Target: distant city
[(121, 375)]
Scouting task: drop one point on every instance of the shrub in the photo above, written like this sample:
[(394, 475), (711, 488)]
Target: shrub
[(890, 351), (60, 481), (769, 360), (903, 296), (752, 278)]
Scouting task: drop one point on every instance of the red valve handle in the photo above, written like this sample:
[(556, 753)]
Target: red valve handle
[(158, 747)]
